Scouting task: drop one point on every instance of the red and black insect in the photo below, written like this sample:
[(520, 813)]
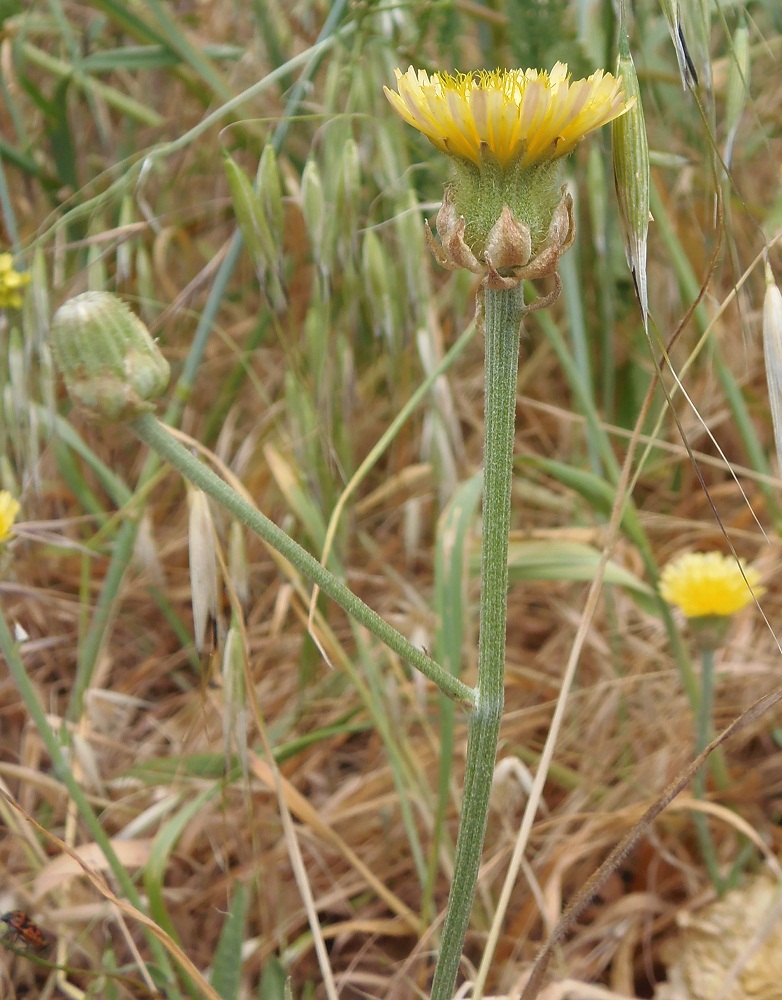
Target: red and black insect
[(23, 928)]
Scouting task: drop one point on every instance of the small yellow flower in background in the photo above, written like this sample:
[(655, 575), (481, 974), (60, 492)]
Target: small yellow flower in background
[(520, 116), (708, 584), (9, 508), (11, 281)]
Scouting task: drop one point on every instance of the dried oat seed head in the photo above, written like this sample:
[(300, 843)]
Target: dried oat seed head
[(203, 570)]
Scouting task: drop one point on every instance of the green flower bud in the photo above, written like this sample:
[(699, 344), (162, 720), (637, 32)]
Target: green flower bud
[(112, 367)]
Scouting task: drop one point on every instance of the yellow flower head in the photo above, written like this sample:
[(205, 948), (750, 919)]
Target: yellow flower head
[(707, 584), (11, 281), (521, 116), (9, 508)]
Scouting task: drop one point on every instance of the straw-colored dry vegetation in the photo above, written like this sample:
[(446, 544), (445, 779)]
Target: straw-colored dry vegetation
[(113, 127)]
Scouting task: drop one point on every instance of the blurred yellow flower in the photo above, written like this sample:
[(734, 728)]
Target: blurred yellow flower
[(708, 584), (11, 281), (521, 116), (9, 508)]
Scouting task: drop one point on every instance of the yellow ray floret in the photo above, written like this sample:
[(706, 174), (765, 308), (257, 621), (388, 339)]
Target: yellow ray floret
[(522, 116), (709, 584), (11, 281), (9, 508)]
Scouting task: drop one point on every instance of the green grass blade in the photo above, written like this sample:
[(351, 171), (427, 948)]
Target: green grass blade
[(451, 549), (227, 968)]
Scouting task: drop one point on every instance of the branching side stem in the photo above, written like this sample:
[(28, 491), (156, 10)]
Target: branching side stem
[(149, 429)]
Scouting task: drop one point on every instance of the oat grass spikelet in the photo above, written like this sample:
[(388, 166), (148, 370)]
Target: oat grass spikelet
[(11, 281), (708, 584), (9, 508)]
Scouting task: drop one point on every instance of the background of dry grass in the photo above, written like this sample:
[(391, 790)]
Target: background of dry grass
[(292, 398)]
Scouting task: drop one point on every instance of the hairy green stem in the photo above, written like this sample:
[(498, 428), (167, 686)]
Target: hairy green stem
[(149, 429), (702, 739), (502, 314)]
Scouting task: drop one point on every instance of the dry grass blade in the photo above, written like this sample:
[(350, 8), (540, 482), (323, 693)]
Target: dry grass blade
[(99, 883), (593, 885), (306, 814)]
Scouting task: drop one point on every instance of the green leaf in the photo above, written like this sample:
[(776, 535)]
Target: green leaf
[(145, 57), (274, 984), (163, 847), (598, 493), (562, 560), (227, 968)]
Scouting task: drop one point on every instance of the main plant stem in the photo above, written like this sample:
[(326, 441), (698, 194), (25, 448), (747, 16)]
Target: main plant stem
[(502, 316)]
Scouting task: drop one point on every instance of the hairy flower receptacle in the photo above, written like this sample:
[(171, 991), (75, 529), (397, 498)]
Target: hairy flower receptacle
[(509, 254)]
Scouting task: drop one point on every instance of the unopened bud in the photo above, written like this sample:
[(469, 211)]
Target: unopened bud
[(112, 367)]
